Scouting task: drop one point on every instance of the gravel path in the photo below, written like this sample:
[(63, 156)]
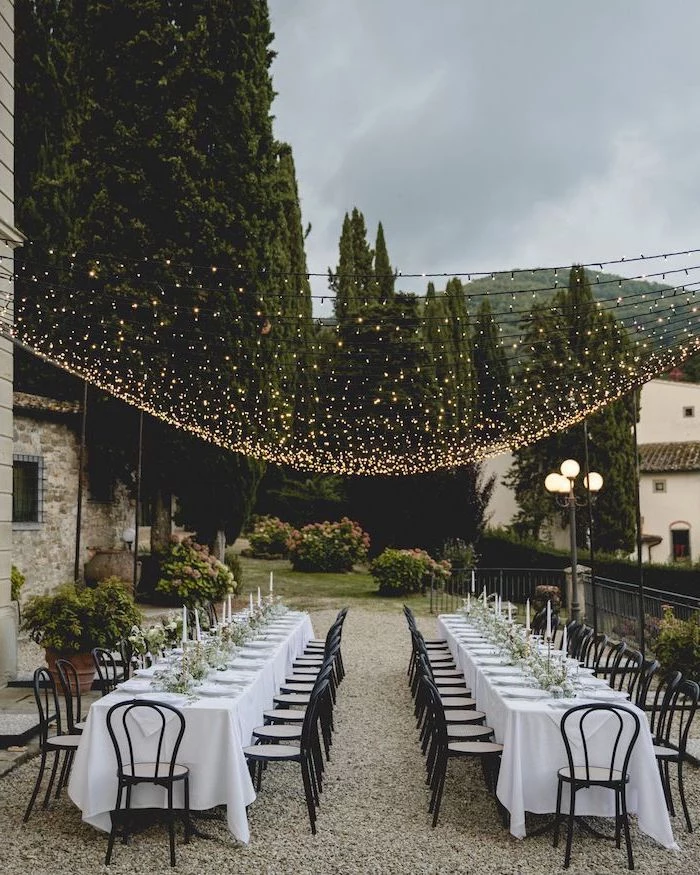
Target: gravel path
[(373, 816)]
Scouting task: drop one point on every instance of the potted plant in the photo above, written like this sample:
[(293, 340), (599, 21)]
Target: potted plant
[(73, 619)]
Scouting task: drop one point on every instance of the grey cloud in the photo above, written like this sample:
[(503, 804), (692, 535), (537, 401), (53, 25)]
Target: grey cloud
[(467, 127)]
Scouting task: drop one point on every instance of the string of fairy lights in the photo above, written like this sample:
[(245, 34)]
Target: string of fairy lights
[(239, 359)]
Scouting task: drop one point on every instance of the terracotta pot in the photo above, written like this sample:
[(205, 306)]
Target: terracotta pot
[(110, 563), (83, 662)]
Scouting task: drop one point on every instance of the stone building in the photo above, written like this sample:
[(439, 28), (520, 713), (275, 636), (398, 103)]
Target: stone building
[(46, 456)]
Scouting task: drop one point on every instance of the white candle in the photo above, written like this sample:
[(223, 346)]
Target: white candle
[(483, 593), (251, 601), (271, 584), (473, 581), (510, 612), (230, 615), (196, 624), (259, 599), (564, 639), (527, 615), (223, 614), (549, 621), (469, 603), (184, 624)]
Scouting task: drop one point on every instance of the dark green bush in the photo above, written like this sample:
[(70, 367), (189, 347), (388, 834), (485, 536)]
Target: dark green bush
[(398, 572), (233, 562), (678, 644), (269, 538), (328, 546)]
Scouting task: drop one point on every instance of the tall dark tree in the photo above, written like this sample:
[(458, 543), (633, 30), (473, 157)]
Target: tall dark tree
[(179, 206), (574, 347), (383, 271), (492, 374)]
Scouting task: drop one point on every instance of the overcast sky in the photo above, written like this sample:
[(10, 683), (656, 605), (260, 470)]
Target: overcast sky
[(491, 134)]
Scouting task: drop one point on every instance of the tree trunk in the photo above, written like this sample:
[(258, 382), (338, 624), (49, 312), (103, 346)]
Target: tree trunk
[(219, 544), (162, 525)]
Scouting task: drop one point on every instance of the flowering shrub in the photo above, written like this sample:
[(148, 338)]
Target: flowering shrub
[(269, 538), (545, 593), (678, 644), (328, 546), (400, 571), (190, 573)]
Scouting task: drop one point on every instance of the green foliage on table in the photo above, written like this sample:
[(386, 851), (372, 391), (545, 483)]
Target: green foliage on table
[(190, 573), (76, 618), (398, 572), (17, 580), (269, 538), (678, 644), (328, 546)]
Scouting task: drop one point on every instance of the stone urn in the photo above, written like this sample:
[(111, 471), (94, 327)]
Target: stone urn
[(84, 666), (110, 563)]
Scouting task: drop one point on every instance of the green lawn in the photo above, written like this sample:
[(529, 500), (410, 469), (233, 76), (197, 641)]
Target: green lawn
[(318, 591)]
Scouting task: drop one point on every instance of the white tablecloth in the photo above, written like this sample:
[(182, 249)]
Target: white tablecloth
[(216, 730), (533, 751)]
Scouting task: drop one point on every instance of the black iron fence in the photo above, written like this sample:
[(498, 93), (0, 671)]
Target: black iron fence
[(512, 584), (617, 602), (617, 607)]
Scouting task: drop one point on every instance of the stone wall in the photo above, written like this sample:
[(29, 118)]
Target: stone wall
[(45, 551)]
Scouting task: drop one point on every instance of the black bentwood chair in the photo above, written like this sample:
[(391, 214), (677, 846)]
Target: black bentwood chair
[(672, 739), (607, 768), (307, 754), (70, 685), (57, 744), (167, 726), (109, 674)]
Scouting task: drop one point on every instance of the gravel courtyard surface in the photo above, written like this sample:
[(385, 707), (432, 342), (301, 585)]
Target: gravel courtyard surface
[(374, 808)]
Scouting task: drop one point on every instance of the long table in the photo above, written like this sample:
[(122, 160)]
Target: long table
[(216, 730), (533, 748)]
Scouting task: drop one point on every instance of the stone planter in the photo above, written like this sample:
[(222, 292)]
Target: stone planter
[(83, 662), (110, 563)]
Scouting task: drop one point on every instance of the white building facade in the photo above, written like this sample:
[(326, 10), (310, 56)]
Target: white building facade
[(668, 435)]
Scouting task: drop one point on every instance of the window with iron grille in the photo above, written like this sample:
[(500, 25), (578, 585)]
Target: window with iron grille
[(27, 489)]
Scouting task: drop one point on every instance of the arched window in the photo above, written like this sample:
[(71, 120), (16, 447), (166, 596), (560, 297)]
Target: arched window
[(680, 541)]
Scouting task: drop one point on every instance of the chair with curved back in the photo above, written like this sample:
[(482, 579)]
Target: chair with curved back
[(70, 686), (307, 754), (166, 726), (671, 739), (607, 768), (626, 672), (593, 649), (610, 659), (539, 623), (59, 743), (109, 674), (441, 749)]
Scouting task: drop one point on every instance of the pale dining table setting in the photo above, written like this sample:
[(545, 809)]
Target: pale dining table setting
[(220, 711), (524, 687)]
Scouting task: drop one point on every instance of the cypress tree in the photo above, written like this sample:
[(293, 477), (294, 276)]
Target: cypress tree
[(569, 341), (492, 374), (173, 169), (384, 274)]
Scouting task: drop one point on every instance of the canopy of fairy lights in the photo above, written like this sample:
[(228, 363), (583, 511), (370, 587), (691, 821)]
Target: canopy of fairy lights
[(277, 384)]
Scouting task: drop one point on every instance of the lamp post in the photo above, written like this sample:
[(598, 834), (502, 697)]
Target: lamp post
[(562, 485)]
